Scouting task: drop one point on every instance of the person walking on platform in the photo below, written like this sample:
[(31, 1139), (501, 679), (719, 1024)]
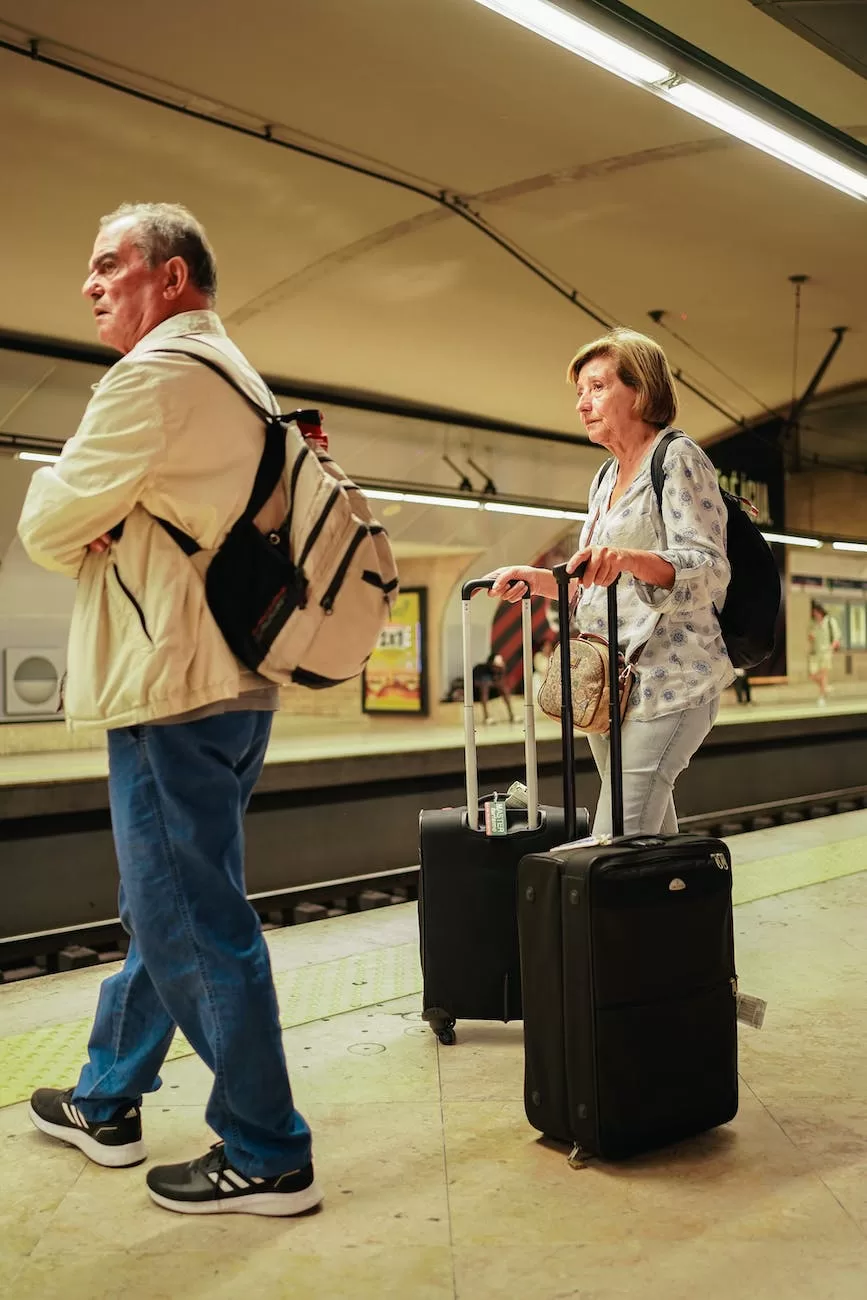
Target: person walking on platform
[(489, 681), (163, 437), (823, 639), (674, 567)]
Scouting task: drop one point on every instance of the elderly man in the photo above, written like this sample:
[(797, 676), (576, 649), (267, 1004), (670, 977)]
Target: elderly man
[(166, 438)]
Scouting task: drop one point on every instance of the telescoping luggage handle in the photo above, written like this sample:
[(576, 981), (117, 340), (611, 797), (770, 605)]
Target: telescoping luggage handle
[(485, 584), (615, 753)]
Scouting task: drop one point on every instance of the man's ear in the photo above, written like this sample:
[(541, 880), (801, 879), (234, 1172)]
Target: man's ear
[(177, 277)]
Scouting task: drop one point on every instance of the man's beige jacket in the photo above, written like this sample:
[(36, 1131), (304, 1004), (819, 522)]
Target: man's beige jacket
[(162, 435)]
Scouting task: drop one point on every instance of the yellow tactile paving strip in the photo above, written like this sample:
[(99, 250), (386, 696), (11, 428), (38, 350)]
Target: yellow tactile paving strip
[(50, 1056), (798, 869)]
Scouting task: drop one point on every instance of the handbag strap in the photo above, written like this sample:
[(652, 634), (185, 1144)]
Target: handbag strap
[(630, 663)]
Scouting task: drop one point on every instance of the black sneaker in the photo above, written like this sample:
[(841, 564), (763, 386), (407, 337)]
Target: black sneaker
[(114, 1142), (211, 1185)]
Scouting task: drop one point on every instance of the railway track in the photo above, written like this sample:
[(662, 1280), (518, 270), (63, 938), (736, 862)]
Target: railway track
[(49, 951)]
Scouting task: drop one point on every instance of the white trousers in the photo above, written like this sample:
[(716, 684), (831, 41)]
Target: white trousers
[(654, 755)]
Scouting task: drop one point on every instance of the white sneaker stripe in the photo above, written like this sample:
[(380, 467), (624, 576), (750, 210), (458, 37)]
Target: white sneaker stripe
[(238, 1179), (214, 1177), (226, 1186), (79, 1117)]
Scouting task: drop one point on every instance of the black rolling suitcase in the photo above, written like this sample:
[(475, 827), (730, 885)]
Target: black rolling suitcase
[(628, 976), (467, 904)]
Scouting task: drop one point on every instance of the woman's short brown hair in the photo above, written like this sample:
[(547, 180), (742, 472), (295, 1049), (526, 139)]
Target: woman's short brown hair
[(642, 365)]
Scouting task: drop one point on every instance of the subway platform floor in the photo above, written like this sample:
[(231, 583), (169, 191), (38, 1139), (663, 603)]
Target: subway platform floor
[(435, 1185)]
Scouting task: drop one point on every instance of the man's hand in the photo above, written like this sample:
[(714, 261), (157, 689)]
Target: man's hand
[(100, 544)]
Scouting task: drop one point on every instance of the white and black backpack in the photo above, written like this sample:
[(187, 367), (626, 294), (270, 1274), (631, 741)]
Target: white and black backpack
[(305, 602)]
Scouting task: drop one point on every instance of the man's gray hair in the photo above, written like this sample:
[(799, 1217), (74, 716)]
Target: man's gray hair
[(164, 230)]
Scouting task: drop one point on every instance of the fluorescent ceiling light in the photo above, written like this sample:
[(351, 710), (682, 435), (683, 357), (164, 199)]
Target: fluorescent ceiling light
[(849, 546), (36, 455), (770, 139), (533, 512), (421, 499), (580, 38), (495, 507), (792, 541)]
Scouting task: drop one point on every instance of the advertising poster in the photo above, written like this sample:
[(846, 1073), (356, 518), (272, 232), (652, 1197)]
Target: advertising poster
[(395, 679)]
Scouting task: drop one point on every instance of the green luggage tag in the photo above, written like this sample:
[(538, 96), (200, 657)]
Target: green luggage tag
[(496, 816)]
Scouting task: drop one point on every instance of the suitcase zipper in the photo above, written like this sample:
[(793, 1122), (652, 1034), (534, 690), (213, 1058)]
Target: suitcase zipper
[(662, 859), (673, 997)]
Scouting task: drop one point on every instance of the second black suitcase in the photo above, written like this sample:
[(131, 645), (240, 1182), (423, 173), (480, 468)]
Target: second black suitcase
[(628, 978), (467, 903)]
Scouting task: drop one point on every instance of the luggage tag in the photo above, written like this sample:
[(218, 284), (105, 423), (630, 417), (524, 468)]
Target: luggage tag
[(750, 1010), (496, 816), (589, 841)]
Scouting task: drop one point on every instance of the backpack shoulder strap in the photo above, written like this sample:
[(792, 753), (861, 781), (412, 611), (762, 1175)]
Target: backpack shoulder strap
[(657, 464), (271, 464), (218, 369), (599, 476)]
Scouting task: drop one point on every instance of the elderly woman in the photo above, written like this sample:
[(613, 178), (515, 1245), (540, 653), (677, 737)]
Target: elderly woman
[(672, 567)]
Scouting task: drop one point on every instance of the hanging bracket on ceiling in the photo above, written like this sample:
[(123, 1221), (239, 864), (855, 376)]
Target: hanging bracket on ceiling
[(466, 484)]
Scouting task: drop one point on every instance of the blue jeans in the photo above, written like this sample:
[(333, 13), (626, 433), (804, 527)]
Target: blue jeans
[(197, 958), (654, 755)]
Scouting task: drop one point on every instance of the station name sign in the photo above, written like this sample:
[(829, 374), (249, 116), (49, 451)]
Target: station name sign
[(753, 490), (750, 465)]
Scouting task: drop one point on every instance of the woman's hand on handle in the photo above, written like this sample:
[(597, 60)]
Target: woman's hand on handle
[(603, 565), (512, 582), (606, 563)]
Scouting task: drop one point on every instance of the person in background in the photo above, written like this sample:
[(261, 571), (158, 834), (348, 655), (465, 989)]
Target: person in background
[(823, 639), (489, 681), (673, 568), (164, 437), (742, 686)]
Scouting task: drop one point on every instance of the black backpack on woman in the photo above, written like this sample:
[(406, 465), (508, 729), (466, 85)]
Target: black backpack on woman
[(749, 616)]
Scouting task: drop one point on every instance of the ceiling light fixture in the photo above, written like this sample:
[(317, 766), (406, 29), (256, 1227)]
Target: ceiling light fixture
[(786, 540), (770, 139), (849, 546), (581, 38), (525, 509), (533, 512), (421, 499), (36, 455), (673, 80)]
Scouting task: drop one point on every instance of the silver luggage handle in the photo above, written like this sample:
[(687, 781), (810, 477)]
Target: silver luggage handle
[(467, 591)]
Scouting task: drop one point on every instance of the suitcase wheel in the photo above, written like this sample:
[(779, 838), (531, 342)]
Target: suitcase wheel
[(442, 1024)]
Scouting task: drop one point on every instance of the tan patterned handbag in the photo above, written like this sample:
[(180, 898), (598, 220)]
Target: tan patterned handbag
[(588, 656)]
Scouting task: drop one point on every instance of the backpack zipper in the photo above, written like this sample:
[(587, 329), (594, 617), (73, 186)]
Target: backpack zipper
[(319, 525), (327, 601), (136, 606), (293, 484)]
